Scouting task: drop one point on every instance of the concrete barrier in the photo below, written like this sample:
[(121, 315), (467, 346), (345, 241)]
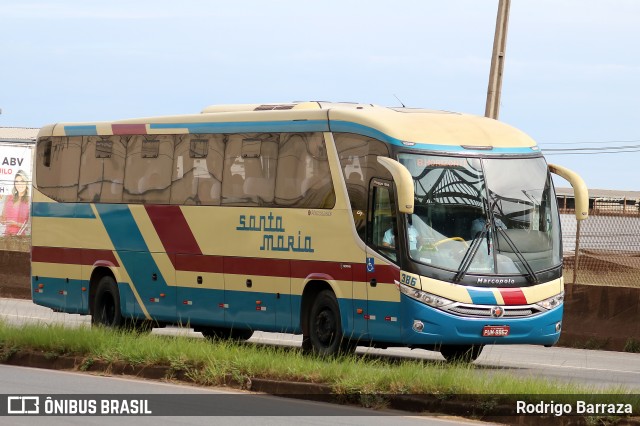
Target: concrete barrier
[(601, 317)]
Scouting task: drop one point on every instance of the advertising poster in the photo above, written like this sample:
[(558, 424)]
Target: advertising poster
[(15, 190)]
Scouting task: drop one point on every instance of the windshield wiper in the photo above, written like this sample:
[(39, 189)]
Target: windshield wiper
[(471, 252), (531, 277)]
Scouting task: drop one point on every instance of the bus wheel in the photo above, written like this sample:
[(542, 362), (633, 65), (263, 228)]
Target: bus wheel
[(225, 333), (461, 353), (325, 326), (106, 306)]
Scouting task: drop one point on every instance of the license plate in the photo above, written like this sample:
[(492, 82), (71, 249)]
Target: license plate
[(495, 331)]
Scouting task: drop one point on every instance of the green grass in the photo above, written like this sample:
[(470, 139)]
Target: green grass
[(363, 380), (212, 363), (632, 345)]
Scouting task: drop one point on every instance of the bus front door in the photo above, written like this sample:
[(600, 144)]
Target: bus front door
[(382, 294)]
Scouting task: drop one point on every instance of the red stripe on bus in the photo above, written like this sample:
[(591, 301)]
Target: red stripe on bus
[(129, 129), (285, 268), (257, 266), (72, 256), (173, 229), (386, 274), (513, 296), (212, 264), (337, 270)]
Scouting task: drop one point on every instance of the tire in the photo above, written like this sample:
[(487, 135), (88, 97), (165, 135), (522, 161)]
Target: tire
[(325, 327), (224, 333), (461, 353), (106, 305)]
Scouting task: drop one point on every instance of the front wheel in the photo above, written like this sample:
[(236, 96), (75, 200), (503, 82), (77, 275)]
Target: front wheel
[(461, 353), (325, 327)]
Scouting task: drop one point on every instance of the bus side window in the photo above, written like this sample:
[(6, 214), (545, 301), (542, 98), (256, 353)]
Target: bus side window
[(384, 232), (249, 174), (303, 176), (102, 171), (233, 172), (197, 170), (58, 166), (260, 163), (359, 163), (147, 177)]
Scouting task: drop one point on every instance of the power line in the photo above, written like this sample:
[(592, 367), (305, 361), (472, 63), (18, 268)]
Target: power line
[(589, 153), (602, 148), (589, 142)]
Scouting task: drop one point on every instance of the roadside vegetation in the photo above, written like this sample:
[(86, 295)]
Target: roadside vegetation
[(216, 362)]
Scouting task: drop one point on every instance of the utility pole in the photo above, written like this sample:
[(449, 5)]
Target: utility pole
[(497, 60)]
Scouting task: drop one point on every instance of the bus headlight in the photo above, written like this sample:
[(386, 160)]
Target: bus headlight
[(552, 302), (424, 297)]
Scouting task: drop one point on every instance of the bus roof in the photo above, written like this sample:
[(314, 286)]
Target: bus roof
[(418, 128)]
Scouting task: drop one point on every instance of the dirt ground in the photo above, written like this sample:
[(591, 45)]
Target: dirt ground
[(14, 275), (595, 317)]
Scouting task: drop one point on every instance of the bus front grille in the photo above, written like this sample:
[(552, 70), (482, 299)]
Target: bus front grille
[(483, 311)]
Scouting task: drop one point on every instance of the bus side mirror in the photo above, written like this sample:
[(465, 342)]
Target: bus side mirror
[(404, 183), (580, 191)]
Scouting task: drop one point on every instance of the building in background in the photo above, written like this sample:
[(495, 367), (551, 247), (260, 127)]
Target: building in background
[(602, 201)]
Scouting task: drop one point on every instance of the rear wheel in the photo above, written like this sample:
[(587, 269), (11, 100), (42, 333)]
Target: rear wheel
[(106, 306), (325, 327), (461, 353)]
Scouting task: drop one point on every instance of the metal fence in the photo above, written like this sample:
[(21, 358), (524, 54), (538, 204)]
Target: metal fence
[(605, 248)]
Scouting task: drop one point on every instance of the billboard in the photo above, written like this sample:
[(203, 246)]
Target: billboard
[(15, 189)]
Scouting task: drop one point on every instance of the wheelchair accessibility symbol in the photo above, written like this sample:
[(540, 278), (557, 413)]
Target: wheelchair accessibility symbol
[(370, 265)]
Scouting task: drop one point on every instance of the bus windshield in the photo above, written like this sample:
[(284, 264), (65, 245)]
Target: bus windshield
[(483, 216)]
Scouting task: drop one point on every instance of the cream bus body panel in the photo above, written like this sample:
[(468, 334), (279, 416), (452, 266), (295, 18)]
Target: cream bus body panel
[(224, 265)]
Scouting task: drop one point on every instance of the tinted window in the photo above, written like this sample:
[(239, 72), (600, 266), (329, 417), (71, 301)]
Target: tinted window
[(266, 169), (148, 167), (359, 163), (303, 176), (102, 170), (57, 166), (197, 171)]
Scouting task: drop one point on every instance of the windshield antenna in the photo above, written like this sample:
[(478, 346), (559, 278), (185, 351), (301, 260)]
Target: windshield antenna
[(401, 103)]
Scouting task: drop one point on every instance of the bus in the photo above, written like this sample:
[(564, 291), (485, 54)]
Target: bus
[(350, 224)]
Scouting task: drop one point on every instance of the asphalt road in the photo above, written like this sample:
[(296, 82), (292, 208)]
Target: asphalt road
[(230, 407), (597, 369)]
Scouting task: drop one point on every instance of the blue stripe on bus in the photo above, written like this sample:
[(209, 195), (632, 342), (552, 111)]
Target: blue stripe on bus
[(305, 126), (137, 261), (66, 210), (482, 297), (248, 126), (349, 127), (90, 130), (122, 228)]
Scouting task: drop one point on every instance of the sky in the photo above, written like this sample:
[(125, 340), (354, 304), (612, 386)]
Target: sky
[(571, 74)]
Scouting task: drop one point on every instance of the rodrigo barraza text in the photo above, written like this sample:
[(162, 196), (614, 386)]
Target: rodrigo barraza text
[(579, 407)]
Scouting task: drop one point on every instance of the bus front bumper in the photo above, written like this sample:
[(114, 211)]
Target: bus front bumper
[(425, 325)]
